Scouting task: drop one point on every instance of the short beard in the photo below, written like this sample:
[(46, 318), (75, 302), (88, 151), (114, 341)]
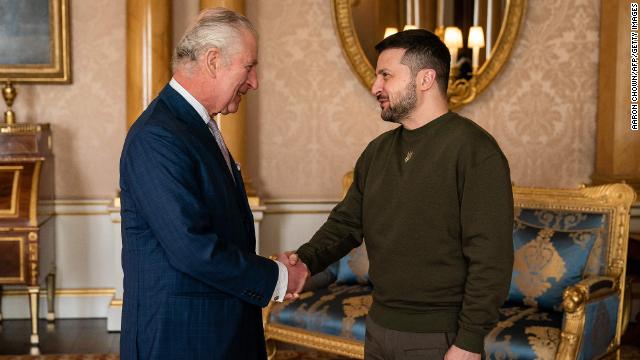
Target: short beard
[(406, 104)]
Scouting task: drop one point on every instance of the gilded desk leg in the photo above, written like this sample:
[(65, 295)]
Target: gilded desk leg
[(51, 291), (34, 294)]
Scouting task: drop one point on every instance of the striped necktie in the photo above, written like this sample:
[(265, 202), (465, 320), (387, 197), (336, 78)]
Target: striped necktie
[(213, 127)]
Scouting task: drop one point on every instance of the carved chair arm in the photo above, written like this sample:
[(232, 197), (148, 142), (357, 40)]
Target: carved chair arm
[(586, 332), (576, 296)]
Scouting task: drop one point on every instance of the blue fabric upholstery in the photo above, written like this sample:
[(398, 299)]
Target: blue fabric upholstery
[(524, 333), (600, 326), (562, 220), (338, 310), (322, 279), (573, 221), (551, 250), (554, 249), (354, 268)]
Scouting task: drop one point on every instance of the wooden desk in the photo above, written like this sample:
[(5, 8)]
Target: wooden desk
[(26, 239)]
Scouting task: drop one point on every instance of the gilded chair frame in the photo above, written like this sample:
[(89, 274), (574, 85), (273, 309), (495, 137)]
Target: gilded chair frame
[(615, 200), (612, 199)]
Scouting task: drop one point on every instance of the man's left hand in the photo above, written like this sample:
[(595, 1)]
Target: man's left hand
[(455, 353)]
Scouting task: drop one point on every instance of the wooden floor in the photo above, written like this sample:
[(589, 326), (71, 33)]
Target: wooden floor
[(73, 336), (90, 336)]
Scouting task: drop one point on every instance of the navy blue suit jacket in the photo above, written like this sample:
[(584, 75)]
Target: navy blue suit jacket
[(193, 285)]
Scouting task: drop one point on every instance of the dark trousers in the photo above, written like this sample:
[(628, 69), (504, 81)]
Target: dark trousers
[(381, 343)]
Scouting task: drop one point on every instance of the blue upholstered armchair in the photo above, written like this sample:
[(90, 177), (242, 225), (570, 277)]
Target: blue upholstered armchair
[(566, 299)]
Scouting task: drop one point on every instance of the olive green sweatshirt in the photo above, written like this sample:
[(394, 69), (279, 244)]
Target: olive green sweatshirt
[(436, 209)]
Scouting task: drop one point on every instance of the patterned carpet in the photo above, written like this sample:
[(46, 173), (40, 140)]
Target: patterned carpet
[(63, 357), (629, 353), (282, 355)]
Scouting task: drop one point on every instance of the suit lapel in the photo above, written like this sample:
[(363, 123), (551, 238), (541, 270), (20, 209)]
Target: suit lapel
[(184, 111)]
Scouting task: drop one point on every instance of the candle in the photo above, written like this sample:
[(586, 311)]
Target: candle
[(440, 11), (475, 59), (453, 41), (476, 41), (390, 31), (476, 11)]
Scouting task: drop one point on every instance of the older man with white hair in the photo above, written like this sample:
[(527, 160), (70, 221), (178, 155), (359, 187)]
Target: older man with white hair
[(193, 284)]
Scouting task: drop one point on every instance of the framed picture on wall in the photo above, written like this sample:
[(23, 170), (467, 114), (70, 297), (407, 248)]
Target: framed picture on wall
[(34, 41)]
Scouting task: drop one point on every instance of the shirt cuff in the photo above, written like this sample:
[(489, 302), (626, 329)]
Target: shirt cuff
[(283, 281), (470, 341)]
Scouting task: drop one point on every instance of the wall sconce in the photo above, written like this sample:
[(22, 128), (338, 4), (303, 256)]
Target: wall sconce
[(461, 90), (453, 41), (390, 31), (476, 41)]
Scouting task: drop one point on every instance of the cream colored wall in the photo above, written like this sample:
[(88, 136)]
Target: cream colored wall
[(542, 108), (311, 117), (87, 116)]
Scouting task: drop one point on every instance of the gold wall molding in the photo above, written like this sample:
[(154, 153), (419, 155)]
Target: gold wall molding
[(301, 201), (80, 202), (291, 206), (283, 212), (74, 207), (64, 292), (76, 213)]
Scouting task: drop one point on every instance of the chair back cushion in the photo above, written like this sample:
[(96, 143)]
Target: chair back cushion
[(551, 251), (354, 268)]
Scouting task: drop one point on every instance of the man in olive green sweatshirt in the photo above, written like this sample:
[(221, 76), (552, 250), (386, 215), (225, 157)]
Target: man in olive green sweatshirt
[(433, 200)]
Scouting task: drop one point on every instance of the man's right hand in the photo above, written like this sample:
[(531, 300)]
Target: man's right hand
[(298, 274)]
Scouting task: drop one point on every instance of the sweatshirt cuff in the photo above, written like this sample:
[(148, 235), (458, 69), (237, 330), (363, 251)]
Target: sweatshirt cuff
[(469, 341), (307, 260)]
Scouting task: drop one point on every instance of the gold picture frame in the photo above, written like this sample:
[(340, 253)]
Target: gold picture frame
[(34, 41)]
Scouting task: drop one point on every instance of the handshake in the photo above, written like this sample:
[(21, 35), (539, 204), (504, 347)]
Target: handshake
[(298, 273)]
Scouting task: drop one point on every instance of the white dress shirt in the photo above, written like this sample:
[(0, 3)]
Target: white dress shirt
[(283, 275)]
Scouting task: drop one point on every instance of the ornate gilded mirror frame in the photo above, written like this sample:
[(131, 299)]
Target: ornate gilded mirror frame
[(461, 91)]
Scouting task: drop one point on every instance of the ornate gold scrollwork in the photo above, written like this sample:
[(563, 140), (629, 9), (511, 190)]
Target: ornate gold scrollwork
[(33, 257), (461, 91), (573, 298)]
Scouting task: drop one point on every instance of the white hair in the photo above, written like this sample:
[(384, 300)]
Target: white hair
[(213, 28)]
